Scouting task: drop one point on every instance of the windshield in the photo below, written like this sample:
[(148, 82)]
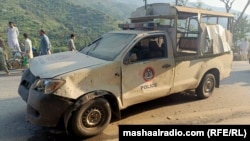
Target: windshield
[(108, 46)]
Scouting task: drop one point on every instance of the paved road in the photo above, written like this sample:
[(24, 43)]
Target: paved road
[(14, 127)]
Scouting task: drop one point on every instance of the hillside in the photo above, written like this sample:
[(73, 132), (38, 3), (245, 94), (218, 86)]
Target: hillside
[(58, 19), (119, 9), (88, 19)]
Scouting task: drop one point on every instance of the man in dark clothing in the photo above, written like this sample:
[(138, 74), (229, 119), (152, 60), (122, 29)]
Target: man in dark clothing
[(44, 43)]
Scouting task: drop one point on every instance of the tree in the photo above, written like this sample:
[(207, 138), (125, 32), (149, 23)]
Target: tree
[(241, 29), (228, 6), (198, 4), (241, 24), (181, 2)]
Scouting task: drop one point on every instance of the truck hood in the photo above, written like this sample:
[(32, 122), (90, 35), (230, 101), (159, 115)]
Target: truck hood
[(49, 66)]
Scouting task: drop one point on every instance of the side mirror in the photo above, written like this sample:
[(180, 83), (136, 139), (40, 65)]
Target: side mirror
[(130, 59), (133, 57)]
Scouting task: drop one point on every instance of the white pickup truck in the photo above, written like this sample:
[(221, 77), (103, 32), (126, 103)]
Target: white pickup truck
[(164, 50)]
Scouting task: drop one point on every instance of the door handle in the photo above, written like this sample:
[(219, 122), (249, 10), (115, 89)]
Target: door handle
[(166, 66)]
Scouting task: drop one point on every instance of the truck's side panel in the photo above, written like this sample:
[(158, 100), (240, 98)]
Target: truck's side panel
[(189, 73)]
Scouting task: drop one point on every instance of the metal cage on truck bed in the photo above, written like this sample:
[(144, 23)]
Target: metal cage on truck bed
[(193, 30)]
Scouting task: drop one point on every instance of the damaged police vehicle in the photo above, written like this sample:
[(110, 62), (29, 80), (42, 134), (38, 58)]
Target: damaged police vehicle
[(163, 50)]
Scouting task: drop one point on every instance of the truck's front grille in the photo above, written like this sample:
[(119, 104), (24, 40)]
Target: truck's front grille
[(26, 84)]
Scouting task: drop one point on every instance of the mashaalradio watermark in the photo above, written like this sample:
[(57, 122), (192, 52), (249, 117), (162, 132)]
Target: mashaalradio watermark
[(159, 132)]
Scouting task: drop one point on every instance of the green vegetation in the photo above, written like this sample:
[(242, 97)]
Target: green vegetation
[(119, 9), (59, 18)]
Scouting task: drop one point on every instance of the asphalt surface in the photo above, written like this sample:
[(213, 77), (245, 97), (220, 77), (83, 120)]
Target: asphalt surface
[(28, 132), (8, 85)]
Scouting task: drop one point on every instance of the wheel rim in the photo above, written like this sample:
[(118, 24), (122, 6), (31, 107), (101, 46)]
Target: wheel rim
[(92, 117), (209, 85)]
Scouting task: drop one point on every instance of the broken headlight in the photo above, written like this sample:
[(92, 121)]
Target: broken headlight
[(48, 86)]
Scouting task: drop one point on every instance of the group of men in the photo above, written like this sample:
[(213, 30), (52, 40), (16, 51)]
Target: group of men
[(14, 45)]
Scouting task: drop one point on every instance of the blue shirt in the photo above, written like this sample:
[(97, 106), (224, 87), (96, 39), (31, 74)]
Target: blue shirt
[(44, 45)]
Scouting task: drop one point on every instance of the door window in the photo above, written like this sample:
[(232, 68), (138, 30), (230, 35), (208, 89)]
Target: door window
[(151, 47)]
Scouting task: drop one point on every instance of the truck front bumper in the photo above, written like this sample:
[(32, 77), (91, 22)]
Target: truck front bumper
[(42, 109), (46, 110)]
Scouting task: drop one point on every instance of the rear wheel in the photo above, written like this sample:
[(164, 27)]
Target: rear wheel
[(14, 64), (206, 86), (91, 118)]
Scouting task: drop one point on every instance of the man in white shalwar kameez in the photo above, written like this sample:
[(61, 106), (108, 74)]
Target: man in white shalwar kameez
[(13, 34), (244, 49)]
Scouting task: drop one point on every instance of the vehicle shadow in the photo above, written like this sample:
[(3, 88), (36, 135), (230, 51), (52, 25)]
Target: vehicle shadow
[(46, 135), (173, 99), (49, 134)]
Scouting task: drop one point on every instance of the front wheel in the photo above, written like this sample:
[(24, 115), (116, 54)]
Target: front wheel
[(206, 86), (91, 118)]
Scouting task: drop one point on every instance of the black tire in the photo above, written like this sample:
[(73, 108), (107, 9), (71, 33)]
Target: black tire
[(14, 64), (91, 118), (206, 86)]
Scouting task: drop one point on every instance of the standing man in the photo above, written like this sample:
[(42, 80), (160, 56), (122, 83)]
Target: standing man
[(28, 46), (13, 34), (71, 44), (44, 43), (28, 49), (244, 49)]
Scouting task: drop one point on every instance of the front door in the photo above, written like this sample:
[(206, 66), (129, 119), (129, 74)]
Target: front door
[(150, 74)]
